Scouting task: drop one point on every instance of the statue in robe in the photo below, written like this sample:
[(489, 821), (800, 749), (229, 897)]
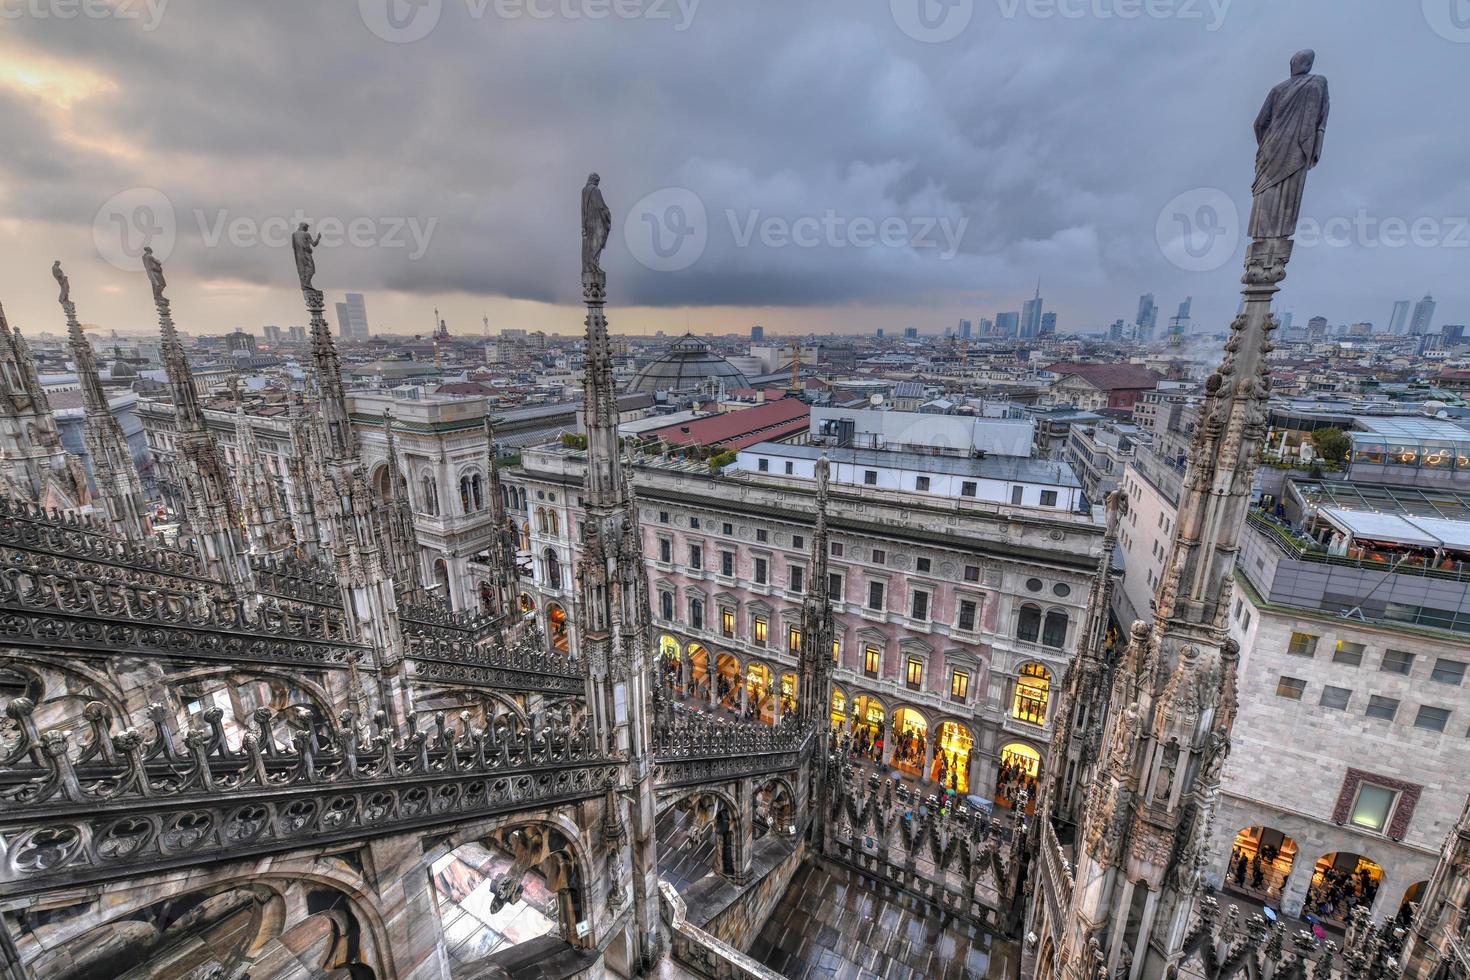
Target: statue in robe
[(596, 223), (302, 245), (1289, 133), (154, 268), (61, 281)]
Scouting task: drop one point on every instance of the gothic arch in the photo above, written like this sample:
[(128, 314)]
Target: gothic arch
[(424, 703), (378, 481), (778, 797), (43, 676), (134, 898), (583, 881), (734, 834)]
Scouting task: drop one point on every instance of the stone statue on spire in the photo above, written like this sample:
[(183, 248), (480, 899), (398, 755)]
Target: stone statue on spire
[(303, 244), (596, 224), (61, 281), (1289, 132), (154, 268)]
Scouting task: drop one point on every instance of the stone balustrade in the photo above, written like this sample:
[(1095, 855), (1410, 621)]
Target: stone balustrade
[(150, 796), (702, 952)]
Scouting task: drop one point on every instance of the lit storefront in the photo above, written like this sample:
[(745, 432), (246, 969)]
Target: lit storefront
[(952, 761)]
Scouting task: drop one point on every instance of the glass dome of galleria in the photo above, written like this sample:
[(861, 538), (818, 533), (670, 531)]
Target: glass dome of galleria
[(688, 364)]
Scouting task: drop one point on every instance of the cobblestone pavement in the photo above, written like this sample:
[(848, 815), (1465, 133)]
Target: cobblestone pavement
[(834, 923)]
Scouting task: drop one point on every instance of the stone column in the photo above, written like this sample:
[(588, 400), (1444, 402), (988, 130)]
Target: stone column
[(930, 745)]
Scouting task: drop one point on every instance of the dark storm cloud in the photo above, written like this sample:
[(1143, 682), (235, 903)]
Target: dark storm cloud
[(1028, 145)]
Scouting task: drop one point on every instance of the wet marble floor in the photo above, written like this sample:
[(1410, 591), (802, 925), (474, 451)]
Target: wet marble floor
[(834, 923)]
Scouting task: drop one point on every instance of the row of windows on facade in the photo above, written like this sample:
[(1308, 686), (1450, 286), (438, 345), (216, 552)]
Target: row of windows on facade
[(1429, 717), (1033, 681), (1032, 625), (837, 549), (471, 494), (1444, 671), (923, 484), (878, 556)]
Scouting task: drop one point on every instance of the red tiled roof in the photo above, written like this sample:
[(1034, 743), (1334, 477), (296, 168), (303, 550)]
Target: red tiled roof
[(1109, 377), (772, 421)]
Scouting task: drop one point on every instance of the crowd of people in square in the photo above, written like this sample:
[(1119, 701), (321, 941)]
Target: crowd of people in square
[(1013, 779), (1334, 893)]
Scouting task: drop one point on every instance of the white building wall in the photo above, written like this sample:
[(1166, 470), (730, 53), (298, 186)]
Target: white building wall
[(1290, 761)]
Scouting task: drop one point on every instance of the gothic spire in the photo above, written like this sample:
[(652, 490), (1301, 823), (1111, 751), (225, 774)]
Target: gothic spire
[(817, 631), (368, 588), (505, 547), (119, 488), (396, 511), (614, 632), (1147, 824), (210, 506), (261, 506), (300, 479)]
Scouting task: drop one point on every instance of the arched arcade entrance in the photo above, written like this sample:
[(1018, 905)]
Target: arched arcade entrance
[(1019, 769), (1341, 882), (1261, 860)]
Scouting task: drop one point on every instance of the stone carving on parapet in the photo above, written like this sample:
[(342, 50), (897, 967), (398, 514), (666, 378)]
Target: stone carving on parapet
[(29, 526), (154, 796), (1230, 946), (111, 616), (527, 663)]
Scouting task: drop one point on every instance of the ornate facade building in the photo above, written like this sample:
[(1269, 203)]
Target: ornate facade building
[(957, 625)]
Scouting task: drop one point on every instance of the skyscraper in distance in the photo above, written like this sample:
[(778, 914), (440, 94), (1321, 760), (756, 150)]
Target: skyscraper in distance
[(1007, 324), (1147, 318), (1048, 324), (1031, 314), (352, 321), (757, 333), (965, 328), (1423, 315), (1398, 321)]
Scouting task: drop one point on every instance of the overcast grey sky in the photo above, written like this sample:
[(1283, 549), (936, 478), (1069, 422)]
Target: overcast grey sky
[(812, 165)]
